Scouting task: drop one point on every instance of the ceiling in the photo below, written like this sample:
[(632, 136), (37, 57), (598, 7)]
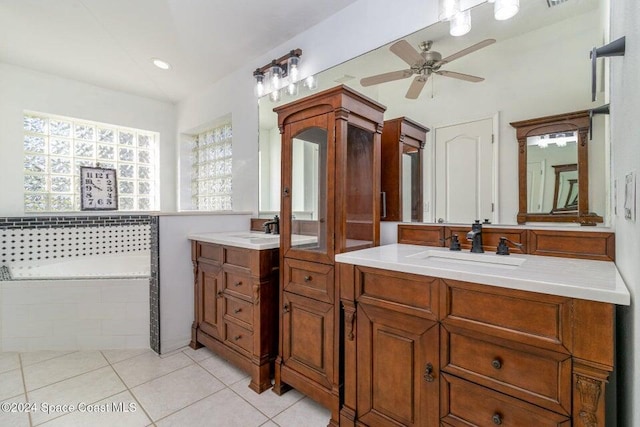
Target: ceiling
[(110, 43)]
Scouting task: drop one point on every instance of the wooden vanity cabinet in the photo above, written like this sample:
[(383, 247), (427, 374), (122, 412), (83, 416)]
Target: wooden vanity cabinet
[(236, 293), (401, 178), (330, 204), (423, 351)]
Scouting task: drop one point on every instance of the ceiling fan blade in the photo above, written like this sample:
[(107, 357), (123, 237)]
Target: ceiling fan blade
[(461, 76), (416, 87), (406, 52), (385, 77), (470, 49)]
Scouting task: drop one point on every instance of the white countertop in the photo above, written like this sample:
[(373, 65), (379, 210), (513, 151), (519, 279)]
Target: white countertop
[(248, 239), (241, 239), (574, 278)]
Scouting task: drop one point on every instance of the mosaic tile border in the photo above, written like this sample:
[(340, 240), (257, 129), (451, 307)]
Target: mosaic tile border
[(154, 286), (27, 222)]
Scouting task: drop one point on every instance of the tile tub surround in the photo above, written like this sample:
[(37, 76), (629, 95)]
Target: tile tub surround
[(35, 238), (574, 278), (185, 387), (74, 314)]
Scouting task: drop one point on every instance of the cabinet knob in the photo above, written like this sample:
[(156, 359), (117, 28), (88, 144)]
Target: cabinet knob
[(285, 192), (496, 363), (237, 310), (237, 337), (497, 419), (285, 309), (219, 294), (238, 283), (307, 278), (428, 373)]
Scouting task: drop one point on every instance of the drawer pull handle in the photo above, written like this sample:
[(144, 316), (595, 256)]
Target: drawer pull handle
[(428, 373), (285, 309), (237, 310), (237, 337), (497, 419), (219, 294), (307, 278), (236, 284), (496, 363)]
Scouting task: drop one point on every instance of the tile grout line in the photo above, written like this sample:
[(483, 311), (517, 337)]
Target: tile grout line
[(24, 387)]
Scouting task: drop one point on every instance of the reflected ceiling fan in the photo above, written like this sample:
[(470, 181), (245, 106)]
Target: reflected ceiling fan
[(423, 64)]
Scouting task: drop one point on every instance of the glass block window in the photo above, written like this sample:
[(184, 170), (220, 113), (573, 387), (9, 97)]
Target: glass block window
[(211, 169), (56, 147)]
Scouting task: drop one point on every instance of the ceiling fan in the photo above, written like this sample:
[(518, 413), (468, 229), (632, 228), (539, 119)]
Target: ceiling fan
[(423, 64)]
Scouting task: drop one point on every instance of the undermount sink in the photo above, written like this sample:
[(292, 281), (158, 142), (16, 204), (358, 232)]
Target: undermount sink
[(469, 258)]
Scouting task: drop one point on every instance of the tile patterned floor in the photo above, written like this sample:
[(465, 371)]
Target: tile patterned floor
[(139, 388)]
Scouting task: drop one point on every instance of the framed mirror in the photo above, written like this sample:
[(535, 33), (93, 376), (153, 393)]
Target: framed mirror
[(553, 169)]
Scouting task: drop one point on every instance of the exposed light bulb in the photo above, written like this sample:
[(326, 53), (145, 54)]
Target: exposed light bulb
[(505, 9), (276, 76), (311, 82), (275, 96), (293, 69), (448, 9), (259, 90), (292, 89), (460, 24)]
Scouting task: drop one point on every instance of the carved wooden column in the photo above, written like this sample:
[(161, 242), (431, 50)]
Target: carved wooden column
[(194, 344), (347, 300), (589, 385)]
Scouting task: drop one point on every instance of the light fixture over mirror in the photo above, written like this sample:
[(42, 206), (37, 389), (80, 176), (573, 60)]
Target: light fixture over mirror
[(280, 73)]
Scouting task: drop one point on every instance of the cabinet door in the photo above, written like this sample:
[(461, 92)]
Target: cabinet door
[(307, 195), (209, 307), (307, 338), (397, 370), (357, 187)]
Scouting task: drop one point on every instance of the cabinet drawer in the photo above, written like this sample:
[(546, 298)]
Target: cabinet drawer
[(539, 376), (239, 310), (531, 318), (238, 257), (413, 294), (237, 284), (464, 403), (309, 279), (210, 251), (239, 337)]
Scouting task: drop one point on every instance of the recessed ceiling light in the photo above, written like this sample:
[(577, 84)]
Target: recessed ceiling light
[(163, 65)]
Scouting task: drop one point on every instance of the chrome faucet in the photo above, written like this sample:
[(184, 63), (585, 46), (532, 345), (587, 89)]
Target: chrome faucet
[(273, 226), (475, 237)]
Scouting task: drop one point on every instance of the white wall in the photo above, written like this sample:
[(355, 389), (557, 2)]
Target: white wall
[(176, 270), (22, 89), (625, 144)]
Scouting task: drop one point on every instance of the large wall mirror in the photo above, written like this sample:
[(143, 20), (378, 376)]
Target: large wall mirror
[(538, 66)]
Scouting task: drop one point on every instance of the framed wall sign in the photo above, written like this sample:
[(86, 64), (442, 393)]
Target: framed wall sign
[(98, 189)]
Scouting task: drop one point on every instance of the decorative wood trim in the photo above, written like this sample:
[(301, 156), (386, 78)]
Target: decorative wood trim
[(573, 244), (596, 245), (425, 235)]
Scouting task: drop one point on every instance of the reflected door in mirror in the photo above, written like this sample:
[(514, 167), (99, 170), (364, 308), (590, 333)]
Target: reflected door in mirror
[(463, 156)]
